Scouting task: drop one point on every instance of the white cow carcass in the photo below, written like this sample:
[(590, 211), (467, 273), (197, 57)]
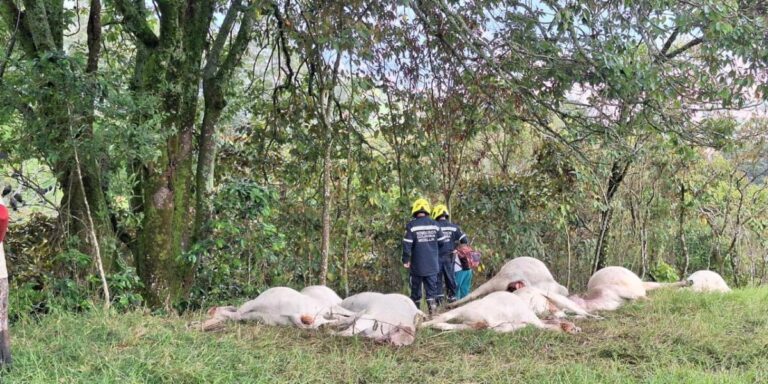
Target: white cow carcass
[(531, 272), (707, 281), (278, 306), (386, 318), (609, 288), (499, 311), (322, 294)]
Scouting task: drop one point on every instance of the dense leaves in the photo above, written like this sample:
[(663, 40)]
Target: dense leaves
[(229, 146)]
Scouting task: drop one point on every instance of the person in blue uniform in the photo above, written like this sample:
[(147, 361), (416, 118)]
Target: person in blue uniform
[(446, 278), (422, 243)]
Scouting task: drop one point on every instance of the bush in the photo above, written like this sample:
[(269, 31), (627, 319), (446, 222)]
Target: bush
[(664, 273), (48, 275), (244, 253)]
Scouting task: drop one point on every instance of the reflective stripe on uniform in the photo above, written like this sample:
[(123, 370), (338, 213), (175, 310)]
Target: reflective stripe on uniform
[(462, 236), (444, 238), (408, 240), (448, 229), (425, 228)]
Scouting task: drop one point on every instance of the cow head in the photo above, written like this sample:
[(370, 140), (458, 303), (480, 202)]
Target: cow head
[(399, 336)]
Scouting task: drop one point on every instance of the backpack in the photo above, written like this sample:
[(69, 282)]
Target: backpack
[(466, 253)]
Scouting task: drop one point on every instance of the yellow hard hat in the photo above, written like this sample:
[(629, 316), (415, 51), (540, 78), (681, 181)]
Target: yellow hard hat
[(420, 205), (439, 210)]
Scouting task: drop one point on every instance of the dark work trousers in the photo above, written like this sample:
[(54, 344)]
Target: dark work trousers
[(447, 276), (430, 285)]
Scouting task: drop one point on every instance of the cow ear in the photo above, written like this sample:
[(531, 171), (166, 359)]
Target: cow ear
[(515, 285)]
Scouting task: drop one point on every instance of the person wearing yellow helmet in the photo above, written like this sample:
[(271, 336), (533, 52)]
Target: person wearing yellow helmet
[(422, 244), (447, 257)]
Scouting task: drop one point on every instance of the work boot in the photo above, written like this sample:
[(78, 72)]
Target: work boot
[(451, 299), (431, 307)]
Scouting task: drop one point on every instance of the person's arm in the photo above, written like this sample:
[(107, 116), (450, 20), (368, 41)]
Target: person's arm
[(442, 239), (3, 222), (407, 247), (462, 237)]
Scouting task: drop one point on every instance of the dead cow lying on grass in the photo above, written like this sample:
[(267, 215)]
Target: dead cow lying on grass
[(499, 311), (386, 318), (707, 281), (323, 294), (546, 304), (279, 306), (531, 272), (610, 287)]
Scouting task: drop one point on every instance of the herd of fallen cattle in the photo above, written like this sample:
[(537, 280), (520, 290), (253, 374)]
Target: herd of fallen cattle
[(522, 293)]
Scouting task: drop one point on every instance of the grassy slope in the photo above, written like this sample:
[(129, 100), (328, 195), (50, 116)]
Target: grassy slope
[(676, 337)]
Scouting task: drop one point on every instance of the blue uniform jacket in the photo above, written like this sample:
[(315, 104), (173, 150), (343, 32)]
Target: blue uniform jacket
[(456, 236), (422, 243)]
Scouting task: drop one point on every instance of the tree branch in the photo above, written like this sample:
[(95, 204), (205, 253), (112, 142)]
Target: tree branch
[(214, 55), (37, 23), (136, 22), (682, 49), (15, 19), (9, 50), (670, 40), (239, 46), (283, 46), (94, 36)]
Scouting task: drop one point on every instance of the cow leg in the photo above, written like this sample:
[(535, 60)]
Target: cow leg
[(443, 318), (559, 326), (450, 326), (509, 327)]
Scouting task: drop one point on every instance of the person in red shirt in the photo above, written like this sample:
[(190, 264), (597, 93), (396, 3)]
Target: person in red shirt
[(3, 221), (5, 339)]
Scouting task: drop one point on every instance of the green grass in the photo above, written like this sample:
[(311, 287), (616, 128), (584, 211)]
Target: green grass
[(675, 337)]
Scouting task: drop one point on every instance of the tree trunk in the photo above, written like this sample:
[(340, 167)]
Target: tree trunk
[(165, 231), (717, 256), (681, 229), (348, 214), (326, 111), (170, 73), (216, 74), (618, 171), (214, 106), (326, 231), (93, 236), (644, 244), (568, 248), (75, 213)]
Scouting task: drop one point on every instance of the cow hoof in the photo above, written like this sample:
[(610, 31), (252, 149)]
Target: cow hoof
[(570, 328)]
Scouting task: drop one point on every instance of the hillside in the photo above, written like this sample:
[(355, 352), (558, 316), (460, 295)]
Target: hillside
[(675, 337)]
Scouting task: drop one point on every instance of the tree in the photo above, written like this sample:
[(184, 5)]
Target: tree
[(169, 70), (60, 112)]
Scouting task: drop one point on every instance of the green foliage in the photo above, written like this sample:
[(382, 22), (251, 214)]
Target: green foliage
[(246, 251), (66, 281), (125, 288), (664, 273)]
